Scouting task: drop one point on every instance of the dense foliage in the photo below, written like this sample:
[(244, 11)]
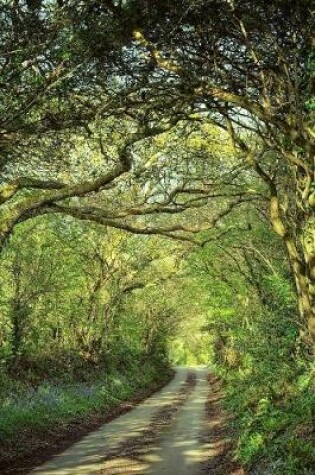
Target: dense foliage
[(258, 351)]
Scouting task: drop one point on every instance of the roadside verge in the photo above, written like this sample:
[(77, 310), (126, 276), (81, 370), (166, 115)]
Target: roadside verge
[(36, 447)]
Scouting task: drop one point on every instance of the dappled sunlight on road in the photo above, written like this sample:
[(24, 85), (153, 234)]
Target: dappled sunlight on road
[(84, 457), (181, 448), (170, 445)]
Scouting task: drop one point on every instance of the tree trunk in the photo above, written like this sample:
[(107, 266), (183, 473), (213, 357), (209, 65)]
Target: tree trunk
[(308, 294), (303, 266), (20, 313)]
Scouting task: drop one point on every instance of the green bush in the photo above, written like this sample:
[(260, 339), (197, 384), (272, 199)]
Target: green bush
[(270, 393)]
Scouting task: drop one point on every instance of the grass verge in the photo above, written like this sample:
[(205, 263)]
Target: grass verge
[(36, 423)]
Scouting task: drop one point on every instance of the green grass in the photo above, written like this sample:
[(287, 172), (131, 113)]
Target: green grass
[(28, 410)]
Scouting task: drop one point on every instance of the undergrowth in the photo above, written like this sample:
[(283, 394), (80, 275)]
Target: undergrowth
[(270, 387), (28, 410), (276, 433)]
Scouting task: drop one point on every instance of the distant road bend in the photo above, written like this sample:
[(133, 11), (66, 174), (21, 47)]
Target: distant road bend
[(161, 436)]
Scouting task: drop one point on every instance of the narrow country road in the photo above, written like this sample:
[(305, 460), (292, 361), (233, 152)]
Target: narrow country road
[(160, 436), (180, 451)]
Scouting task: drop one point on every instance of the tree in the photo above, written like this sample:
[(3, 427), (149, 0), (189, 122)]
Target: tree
[(239, 65), (246, 67)]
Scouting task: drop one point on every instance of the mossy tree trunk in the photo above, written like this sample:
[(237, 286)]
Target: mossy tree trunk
[(299, 241)]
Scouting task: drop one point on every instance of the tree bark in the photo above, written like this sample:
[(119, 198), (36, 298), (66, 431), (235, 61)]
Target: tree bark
[(303, 266)]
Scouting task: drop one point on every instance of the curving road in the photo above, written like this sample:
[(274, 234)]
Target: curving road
[(177, 450)]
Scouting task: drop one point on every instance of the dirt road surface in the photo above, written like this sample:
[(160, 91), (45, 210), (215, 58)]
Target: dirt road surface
[(161, 436)]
